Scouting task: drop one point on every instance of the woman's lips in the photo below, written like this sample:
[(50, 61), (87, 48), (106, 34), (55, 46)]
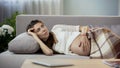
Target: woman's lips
[(45, 33)]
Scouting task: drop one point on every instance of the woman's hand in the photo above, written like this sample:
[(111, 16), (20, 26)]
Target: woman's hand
[(84, 29), (31, 32)]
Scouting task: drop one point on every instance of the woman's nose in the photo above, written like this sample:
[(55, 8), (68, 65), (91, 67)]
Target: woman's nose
[(43, 30)]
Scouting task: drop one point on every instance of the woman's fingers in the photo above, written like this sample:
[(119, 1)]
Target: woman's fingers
[(31, 31), (84, 29)]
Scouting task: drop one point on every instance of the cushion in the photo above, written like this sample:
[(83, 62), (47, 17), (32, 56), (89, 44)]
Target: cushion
[(23, 43), (116, 29)]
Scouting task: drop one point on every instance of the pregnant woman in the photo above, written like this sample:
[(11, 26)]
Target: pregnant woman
[(66, 39)]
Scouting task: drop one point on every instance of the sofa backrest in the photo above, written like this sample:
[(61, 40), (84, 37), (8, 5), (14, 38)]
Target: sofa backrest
[(50, 20)]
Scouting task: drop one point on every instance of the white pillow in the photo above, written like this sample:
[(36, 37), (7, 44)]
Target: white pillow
[(23, 43)]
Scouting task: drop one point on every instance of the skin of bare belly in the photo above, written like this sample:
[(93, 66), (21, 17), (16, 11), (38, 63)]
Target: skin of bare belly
[(76, 48)]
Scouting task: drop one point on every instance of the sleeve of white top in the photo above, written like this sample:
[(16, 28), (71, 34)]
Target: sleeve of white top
[(70, 28)]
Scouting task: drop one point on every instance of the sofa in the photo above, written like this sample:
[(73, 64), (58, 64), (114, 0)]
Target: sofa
[(11, 60)]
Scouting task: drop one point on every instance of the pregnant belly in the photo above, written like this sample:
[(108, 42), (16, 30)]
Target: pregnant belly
[(76, 47)]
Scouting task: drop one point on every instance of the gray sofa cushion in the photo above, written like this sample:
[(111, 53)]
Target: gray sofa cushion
[(23, 43), (113, 28), (116, 29)]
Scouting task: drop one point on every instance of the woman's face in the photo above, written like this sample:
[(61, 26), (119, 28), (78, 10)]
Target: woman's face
[(41, 30)]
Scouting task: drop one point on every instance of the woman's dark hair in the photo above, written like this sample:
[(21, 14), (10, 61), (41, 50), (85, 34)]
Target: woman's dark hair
[(32, 23)]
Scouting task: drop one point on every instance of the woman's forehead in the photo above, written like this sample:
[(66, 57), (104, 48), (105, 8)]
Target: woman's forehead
[(38, 25)]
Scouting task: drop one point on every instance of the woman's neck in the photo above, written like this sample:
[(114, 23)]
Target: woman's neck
[(45, 39)]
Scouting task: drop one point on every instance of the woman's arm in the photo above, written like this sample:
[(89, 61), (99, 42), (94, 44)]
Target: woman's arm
[(44, 47)]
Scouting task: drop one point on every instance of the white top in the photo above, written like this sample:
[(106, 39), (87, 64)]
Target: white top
[(65, 35)]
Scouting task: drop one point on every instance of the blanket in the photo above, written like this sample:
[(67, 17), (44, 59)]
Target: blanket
[(104, 44)]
